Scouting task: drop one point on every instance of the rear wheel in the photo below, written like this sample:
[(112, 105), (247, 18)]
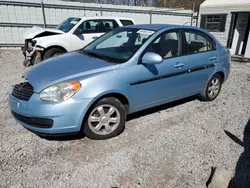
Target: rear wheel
[(105, 120), (53, 52), (212, 90)]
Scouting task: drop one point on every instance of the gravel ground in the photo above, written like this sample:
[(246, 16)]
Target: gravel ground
[(170, 146)]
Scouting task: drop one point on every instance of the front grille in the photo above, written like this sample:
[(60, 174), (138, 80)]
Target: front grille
[(23, 91), (35, 122)]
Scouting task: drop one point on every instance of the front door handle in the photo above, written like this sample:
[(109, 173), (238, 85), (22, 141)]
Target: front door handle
[(178, 65), (212, 58), (95, 37)]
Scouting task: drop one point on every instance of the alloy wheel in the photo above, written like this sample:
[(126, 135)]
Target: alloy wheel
[(104, 119), (214, 88)]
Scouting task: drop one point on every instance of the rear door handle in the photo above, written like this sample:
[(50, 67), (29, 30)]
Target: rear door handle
[(179, 65), (95, 37), (212, 58)]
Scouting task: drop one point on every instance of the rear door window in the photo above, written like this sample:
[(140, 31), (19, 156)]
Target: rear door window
[(108, 25), (126, 22), (197, 42)]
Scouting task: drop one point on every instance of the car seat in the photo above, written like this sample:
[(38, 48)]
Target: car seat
[(196, 46), (99, 28), (88, 26), (107, 27), (168, 47)]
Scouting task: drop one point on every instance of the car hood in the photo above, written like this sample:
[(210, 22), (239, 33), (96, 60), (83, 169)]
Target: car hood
[(68, 66), (39, 31)]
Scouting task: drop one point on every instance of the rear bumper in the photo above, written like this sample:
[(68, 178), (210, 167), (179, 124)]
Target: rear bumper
[(227, 70)]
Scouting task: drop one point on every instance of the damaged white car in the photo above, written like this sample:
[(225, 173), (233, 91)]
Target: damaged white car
[(72, 34)]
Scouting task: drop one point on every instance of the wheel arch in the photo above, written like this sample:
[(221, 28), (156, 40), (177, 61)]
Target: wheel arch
[(222, 74), (54, 46), (122, 98)]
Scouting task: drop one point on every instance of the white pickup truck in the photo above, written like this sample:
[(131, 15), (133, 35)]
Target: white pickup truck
[(72, 34)]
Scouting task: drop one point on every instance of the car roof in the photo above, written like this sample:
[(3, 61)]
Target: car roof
[(104, 17), (157, 27)]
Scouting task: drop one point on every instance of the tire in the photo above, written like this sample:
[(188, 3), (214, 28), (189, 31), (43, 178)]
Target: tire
[(103, 123), (26, 63), (213, 86), (53, 52)]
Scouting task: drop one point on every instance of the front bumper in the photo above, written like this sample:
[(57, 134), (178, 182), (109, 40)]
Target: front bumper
[(32, 56), (36, 115)]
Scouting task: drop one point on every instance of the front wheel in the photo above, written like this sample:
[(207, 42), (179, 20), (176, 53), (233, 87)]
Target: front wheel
[(212, 90), (105, 120), (53, 52), (26, 63)]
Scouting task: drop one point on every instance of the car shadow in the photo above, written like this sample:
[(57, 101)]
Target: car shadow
[(130, 117), (159, 108), (241, 178), (152, 68), (69, 137)]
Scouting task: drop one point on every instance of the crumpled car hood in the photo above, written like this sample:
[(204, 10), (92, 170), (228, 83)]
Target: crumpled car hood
[(36, 31)]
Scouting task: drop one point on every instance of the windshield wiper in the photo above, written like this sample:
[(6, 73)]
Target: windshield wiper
[(93, 54)]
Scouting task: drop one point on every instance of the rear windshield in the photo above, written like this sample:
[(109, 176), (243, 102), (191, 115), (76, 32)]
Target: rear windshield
[(68, 24), (126, 22)]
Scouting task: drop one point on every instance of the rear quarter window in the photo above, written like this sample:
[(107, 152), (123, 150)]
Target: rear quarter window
[(126, 22)]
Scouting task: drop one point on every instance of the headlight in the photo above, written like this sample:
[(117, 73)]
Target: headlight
[(60, 92), (33, 43)]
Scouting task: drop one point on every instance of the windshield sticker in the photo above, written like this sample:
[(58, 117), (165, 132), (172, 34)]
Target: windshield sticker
[(148, 32)]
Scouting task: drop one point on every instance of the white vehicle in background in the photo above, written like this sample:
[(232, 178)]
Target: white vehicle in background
[(72, 34)]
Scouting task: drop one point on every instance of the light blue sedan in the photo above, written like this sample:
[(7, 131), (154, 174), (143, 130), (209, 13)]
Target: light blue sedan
[(129, 69)]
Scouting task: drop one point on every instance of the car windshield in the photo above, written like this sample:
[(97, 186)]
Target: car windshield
[(68, 24), (119, 45)]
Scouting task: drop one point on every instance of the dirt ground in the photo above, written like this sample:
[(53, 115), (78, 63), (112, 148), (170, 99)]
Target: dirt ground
[(170, 146)]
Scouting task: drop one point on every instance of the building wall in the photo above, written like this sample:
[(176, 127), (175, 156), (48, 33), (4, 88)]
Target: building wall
[(239, 33), (221, 36), (224, 7), (16, 20)]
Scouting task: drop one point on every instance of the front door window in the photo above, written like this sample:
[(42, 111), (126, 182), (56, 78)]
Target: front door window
[(167, 45), (89, 26)]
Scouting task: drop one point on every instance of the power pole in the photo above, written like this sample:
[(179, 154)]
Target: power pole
[(192, 13), (164, 3)]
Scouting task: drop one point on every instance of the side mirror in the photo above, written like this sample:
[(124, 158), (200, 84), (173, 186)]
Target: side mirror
[(77, 31), (151, 58)]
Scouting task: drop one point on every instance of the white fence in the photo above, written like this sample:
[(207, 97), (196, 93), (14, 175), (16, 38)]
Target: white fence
[(16, 17)]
